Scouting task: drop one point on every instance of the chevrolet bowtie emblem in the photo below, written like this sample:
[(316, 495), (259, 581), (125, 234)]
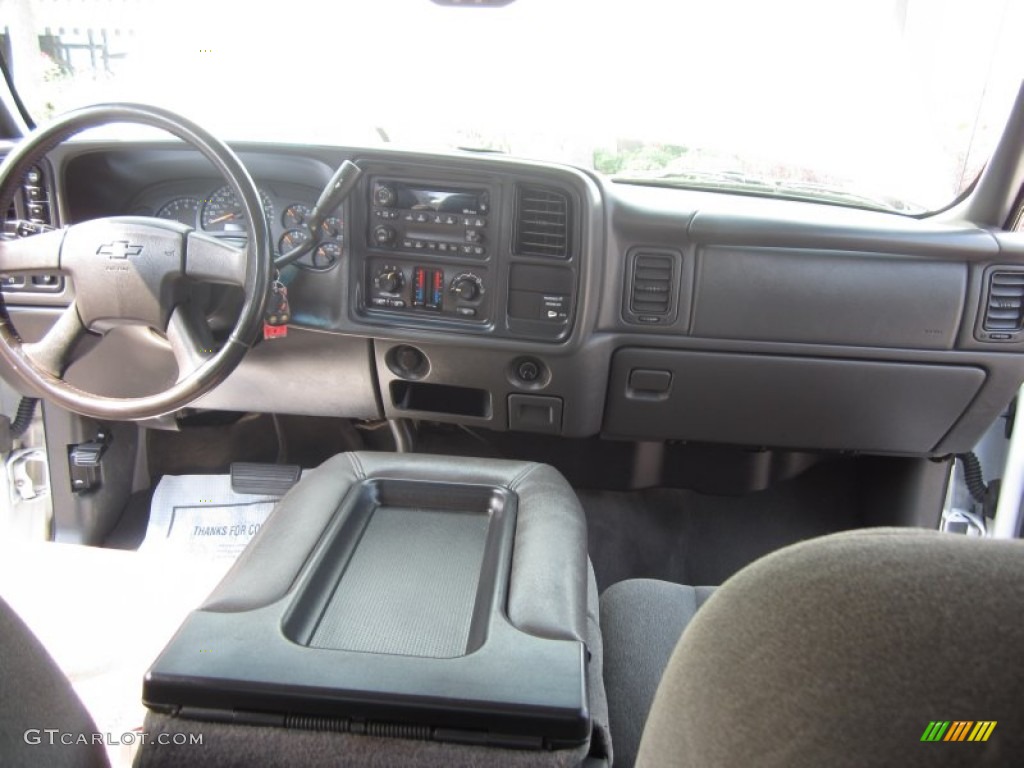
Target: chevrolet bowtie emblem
[(119, 249)]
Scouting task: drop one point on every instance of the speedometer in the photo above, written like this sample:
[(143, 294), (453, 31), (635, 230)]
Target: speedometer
[(223, 212)]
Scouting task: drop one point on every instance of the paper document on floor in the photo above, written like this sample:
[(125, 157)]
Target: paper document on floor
[(201, 515)]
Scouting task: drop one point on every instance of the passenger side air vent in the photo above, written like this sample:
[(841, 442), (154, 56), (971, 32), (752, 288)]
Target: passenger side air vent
[(650, 286), (1004, 310), (542, 226)]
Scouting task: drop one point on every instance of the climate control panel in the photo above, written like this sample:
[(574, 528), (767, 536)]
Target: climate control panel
[(438, 290)]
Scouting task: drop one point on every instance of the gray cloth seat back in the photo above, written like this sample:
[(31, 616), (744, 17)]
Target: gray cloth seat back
[(36, 697), (641, 621), (847, 651)]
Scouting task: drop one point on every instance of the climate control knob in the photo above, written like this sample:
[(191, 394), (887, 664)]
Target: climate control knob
[(389, 280), (383, 234), (467, 287)]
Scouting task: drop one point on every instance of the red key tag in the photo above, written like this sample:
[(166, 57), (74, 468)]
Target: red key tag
[(274, 331)]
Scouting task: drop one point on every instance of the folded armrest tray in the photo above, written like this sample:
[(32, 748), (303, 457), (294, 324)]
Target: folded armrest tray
[(398, 617)]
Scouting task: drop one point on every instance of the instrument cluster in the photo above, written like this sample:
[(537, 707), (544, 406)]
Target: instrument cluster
[(220, 213)]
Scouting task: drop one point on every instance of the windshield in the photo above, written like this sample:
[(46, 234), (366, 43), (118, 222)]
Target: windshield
[(893, 104)]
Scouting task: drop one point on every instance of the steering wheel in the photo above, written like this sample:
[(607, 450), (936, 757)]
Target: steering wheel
[(135, 270)]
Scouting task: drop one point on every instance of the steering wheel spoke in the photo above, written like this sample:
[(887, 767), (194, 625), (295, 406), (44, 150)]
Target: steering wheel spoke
[(210, 259), (34, 253), (191, 339), (52, 352)]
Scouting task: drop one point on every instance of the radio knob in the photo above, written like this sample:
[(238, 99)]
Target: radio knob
[(467, 287), (389, 280), (384, 196), (383, 234)]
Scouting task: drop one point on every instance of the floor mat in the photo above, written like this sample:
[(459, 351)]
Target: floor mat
[(201, 515), (697, 539)]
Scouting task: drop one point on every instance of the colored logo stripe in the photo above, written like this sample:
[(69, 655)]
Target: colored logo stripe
[(982, 730), (958, 730)]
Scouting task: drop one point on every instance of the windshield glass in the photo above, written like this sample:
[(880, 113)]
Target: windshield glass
[(893, 104)]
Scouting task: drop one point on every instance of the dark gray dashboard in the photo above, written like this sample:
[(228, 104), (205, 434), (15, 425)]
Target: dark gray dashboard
[(668, 313)]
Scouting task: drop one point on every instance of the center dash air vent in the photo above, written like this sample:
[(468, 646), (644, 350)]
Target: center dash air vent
[(1004, 311), (651, 280), (542, 225)]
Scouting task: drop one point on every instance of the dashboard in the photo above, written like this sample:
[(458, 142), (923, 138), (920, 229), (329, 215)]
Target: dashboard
[(533, 297)]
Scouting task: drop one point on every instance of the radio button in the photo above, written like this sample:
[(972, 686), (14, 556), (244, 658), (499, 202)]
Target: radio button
[(383, 234), (466, 311), (384, 196)]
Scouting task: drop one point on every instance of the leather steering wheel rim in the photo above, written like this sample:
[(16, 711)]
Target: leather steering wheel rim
[(200, 259)]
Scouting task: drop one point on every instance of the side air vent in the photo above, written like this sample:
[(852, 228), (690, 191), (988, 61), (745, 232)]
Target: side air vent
[(1004, 310), (650, 286), (542, 225)]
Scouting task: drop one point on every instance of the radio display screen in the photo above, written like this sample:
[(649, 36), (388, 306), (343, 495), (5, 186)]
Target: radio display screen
[(437, 200)]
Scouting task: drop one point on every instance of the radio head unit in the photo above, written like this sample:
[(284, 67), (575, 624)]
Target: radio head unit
[(425, 218)]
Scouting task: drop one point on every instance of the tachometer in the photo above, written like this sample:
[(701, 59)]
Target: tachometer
[(223, 212), (183, 209)]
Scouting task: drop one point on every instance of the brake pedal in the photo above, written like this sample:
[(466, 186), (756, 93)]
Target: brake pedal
[(264, 479)]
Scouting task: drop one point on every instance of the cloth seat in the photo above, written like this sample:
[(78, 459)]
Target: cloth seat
[(848, 650), (37, 697), (641, 622)]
